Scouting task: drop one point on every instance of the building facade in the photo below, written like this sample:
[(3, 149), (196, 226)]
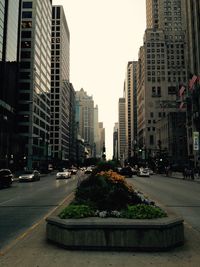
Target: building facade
[(60, 86), (97, 150), (35, 81), (115, 142), (130, 97), (122, 130), (102, 140), (193, 88), (161, 69), (85, 119), (9, 64)]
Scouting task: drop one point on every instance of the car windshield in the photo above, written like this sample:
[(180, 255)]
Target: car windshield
[(4, 172)]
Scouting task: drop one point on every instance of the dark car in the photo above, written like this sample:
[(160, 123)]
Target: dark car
[(29, 176), (126, 171), (6, 178)]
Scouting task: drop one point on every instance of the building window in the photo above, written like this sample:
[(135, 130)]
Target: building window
[(151, 139), (26, 24), (25, 65), (26, 54), (26, 14), (26, 34), (27, 4), (26, 44), (171, 90)]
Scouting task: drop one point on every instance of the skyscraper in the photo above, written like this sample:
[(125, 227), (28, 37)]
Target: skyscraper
[(122, 130), (35, 80), (85, 118), (60, 86), (97, 151), (130, 97), (193, 60), (115, 142), (161, 69), (9, 56)]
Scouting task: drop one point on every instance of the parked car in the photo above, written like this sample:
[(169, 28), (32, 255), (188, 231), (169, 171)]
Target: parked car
[(6, 178), (64, 174), (144, 172), (29, 176)]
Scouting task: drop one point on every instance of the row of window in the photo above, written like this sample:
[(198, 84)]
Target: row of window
[(170, 79)]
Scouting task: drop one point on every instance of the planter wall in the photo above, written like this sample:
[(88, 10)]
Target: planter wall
[(116, 234)]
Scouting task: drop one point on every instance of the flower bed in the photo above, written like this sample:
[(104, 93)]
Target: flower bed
[(107, 194)]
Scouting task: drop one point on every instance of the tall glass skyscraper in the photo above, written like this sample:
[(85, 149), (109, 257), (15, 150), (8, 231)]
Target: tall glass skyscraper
[(9, 52), (60, 86), (35, 81)]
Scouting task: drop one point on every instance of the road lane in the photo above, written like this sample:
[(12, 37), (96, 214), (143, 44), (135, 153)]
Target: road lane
[(181, 196), (24, 204)]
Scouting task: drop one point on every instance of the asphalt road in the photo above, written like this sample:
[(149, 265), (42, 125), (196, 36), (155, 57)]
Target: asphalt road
[(24, 204), (180, 196)]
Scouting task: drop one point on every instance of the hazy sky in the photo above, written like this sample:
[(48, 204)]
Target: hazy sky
[(105, 35)]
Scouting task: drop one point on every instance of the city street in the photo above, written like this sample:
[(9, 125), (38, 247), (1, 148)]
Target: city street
[(24, 204), (169, 192)]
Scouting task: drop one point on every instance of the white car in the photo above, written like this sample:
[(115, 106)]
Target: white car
[(65, 174), (144, 172)]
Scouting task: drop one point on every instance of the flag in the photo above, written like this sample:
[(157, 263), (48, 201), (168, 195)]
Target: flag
[(192, 81), (181, 105), (181, 91)]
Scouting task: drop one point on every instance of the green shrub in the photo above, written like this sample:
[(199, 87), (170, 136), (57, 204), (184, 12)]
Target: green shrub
[(105, 166), (142, 211), (76, 211), (106, 191)]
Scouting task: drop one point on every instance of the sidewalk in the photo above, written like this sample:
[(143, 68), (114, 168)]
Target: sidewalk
[(32, 250), (179, 175)]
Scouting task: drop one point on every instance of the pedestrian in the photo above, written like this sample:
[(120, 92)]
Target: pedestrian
[(192, 174), (184, 173)]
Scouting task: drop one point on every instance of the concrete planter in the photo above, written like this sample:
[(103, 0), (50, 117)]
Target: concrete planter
[(116, 233)]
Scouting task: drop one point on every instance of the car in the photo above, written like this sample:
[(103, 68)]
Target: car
[(126, 171), (64, 174), (73, 171), (6, 178), (29, 176), (143, 172), (88, 170)]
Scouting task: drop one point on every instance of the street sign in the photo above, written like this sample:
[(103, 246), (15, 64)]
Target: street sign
[(196, 141)]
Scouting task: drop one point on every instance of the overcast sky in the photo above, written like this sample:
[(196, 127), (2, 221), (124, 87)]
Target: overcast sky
[(105, 35)]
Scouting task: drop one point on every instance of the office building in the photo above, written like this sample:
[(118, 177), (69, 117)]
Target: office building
[(85, 119), (9, 59), (161, 69), (97, 151), (115, 142), (193, 66), (131, 109), (35, 82), (60, 87), (102, 140), (122, 130)]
